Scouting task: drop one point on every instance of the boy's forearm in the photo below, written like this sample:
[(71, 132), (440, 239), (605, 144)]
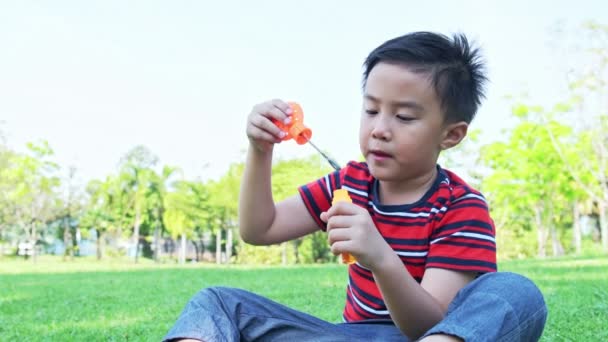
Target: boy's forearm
[(256, 205), (412, 309)]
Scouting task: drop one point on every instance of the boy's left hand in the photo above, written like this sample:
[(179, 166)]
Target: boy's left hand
[(350, 229)]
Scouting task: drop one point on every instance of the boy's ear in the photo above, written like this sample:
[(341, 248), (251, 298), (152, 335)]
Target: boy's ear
[(453, 134)]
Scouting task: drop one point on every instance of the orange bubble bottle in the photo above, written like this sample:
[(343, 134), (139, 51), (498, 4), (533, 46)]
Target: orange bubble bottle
[(295, 129), (341, 195)]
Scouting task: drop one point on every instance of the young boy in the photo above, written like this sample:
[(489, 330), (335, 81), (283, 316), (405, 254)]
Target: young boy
[(423, 239)]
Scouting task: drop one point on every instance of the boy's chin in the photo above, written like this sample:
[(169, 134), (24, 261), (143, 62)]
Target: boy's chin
[(381, 173)]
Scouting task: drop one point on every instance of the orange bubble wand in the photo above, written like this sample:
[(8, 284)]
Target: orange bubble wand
[(297, 131), (301, 134)]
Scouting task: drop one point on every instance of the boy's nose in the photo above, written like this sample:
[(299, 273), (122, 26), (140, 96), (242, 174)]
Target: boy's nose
[(381, 129)]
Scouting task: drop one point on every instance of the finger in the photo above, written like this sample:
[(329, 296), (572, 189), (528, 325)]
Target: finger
[(273, 112), (263, 124), (340, 247), (282, 105), (336, 235), (343, 208), (339, 221), (257, 133), (324, 216), (265, 137)]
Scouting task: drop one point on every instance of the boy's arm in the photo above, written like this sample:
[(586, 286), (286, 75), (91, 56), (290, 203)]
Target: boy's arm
[(462, 246), (261, 221), (415, 308)]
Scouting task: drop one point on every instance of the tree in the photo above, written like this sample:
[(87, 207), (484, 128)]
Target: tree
[(287, 176), (106, 209), (178, 214), (6, 156), (70, 212), (136, 175), (32, 199), (223, 206), (586, 108), (157, 193), (528, 183)]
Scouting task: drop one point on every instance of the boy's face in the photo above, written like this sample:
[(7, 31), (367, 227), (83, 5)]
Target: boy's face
[(402, 125)]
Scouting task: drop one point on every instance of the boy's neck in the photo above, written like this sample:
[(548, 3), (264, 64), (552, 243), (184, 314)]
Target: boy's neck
[(406, 192)]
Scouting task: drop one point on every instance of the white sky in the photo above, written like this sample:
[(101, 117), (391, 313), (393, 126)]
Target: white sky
[(96, 78)]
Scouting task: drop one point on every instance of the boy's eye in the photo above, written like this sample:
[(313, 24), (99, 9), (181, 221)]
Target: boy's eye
[(405, 118), (371, 112)]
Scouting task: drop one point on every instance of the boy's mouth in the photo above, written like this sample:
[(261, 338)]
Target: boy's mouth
[(379, 154)]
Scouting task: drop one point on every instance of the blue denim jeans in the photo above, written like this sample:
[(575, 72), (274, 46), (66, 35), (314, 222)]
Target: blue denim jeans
[(495, 307)]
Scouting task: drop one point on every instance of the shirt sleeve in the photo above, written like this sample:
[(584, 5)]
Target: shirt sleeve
[(464, 237), (317, 195)]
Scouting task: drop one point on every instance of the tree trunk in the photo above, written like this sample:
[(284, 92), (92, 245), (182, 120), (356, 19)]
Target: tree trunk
[(196, 250), (182, 251), (218, 247), (173, 249), (541, 233), (556, 244), (576, 229), (228, 245), (157, 243), (100, 236), (136, 234), (34, 240), (67, 240), (284, 253), (76, 242), (203, 250), (604, 225), (296, 253)]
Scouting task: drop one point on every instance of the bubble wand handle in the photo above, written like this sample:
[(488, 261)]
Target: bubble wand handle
[(341, 195)]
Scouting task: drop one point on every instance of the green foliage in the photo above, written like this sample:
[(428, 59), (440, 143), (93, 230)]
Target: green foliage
[(528, 187), (287, 176), (30, 199), (265, 255), (554, 160), (315, 249)]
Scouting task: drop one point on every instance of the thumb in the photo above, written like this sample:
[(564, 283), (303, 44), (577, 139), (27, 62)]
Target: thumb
[(324, 216)]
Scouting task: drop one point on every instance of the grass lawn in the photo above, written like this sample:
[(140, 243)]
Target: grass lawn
[(116, 301)]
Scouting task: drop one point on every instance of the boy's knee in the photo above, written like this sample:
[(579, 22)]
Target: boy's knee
[(212, 294), (526, 299), (511, 296), (507, 280), (513, 288), (223, 295)]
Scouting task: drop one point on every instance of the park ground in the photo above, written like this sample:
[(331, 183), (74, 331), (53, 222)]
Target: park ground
[(116, 300)]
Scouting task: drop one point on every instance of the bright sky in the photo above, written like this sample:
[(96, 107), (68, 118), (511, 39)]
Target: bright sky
[(96, 78)]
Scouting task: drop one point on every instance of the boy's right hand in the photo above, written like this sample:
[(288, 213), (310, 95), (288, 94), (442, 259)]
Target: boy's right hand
[(261, 131)]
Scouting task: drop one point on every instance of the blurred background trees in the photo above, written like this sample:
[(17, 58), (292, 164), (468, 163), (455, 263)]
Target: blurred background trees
[(546, 182)]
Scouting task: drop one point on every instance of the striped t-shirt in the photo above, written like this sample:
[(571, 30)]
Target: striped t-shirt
[(449, 227)]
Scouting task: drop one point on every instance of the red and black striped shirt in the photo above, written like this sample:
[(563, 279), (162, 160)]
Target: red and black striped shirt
[(449, 227)]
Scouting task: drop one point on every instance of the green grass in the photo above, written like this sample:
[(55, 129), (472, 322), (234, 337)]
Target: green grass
[(113, 301), (576, 292)]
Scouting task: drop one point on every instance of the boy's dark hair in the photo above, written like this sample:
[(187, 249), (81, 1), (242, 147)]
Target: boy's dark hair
[(456, 70)]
